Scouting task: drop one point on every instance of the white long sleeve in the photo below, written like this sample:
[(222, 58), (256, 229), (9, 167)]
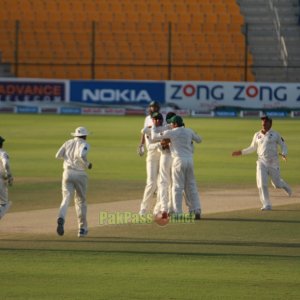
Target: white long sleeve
[(253, 147)]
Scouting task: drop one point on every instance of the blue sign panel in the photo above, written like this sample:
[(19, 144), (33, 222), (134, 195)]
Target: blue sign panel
[(70, 110), (27, 110), (220, 113), (277, 113), (117, 92)]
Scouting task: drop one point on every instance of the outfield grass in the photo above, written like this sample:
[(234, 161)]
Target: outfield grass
[(81, 275), (237, 255), (118, 173)]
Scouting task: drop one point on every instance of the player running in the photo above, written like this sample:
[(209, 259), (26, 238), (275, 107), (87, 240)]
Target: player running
[(6, 179), (265, 142), (74, 153)]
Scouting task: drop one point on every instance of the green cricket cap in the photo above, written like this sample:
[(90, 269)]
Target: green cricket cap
[(176, 120)]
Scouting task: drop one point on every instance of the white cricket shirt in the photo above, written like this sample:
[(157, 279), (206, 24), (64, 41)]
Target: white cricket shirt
[(181, 140), (266, 146), (4, 164), (74, 153)]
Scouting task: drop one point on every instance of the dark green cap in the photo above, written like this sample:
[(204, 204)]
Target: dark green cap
[(169, 116), (177, 120), (157, 116), (266, 117), (154, 103)]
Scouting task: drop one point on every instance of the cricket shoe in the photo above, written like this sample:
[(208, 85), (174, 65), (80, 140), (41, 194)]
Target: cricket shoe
[(82, 232), (142, 212), (170, 213), (287, 190), (198, 216), (267, 207), (60, 226), (4, 208)]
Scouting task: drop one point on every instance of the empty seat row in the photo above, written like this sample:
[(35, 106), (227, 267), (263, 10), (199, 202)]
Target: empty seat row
[(70, 35), (132, 72)]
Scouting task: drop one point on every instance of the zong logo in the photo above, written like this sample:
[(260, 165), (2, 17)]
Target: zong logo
[(197, 92), (220, 92), (260, 93)]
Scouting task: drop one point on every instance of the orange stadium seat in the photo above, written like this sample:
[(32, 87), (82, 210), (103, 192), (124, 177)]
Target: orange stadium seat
[(131, 39)]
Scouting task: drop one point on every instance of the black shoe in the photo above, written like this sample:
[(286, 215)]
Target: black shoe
[(60, 226), (82, 232), (197, 216)]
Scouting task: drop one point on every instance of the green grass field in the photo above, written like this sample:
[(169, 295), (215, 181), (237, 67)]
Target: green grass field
[(32, 141), (237, 255)]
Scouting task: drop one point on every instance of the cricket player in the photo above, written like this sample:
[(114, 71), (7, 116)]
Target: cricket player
[(74, 153), (152, 165), (164, 171), (183, 179), (6, 179), (152, 159), (266, 142), (166, 167)]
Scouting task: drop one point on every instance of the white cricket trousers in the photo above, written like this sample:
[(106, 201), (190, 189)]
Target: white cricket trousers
[(262, 176), (74, 186), (3, 192), (4, 203), (183, 180), (165, 202), (164, 199), (152, 169)]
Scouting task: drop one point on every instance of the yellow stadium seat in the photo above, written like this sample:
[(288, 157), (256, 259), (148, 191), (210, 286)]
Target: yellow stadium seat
[(55, 37)]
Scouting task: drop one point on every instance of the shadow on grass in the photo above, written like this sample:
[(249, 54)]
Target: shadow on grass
[(147, 241), (200, 242), (155, 252), (285, 209), (251, 220)]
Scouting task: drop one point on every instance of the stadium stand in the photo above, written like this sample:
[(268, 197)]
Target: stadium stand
[(274, 38), (5, 69), (130, 39)]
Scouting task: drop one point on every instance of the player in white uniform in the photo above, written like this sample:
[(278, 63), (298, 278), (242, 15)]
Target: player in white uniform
[(6, 179), (74, 153), (164, 165), (183, 178), (265, 142), (152, 167), (152, 160), (166, 172)]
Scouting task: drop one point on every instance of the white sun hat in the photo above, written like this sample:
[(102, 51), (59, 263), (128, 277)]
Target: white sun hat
[(80, 131)]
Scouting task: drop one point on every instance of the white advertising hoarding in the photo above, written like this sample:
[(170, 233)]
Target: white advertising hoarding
[(206, 96)]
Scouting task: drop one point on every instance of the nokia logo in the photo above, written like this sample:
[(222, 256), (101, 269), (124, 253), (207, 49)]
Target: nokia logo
[(115, 95)]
